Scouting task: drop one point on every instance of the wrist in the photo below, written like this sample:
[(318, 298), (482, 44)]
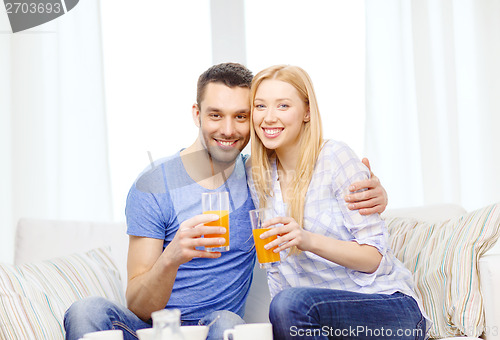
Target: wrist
[(167, 262), (312, 242)]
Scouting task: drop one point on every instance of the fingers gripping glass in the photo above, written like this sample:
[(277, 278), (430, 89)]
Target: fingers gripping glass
[(267, 257)]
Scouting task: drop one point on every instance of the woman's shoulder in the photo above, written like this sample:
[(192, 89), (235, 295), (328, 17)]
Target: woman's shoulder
[(337, 150)]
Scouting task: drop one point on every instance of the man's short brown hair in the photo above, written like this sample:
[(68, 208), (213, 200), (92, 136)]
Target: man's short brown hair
[(229, 74)]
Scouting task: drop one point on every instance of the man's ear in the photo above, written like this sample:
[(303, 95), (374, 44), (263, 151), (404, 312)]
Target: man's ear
[(195, 111)]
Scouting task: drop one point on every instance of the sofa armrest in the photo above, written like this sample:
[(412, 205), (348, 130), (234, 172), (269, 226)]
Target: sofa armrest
[(489, 276)]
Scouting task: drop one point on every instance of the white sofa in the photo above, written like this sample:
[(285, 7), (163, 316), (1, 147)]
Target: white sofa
[(42, 239)]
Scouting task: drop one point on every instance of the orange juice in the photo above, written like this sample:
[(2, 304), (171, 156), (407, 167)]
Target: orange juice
[(263, 255), (223, 221)]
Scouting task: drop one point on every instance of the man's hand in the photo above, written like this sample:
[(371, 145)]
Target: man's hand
[(183, 247), (373, 200), (152, 270)]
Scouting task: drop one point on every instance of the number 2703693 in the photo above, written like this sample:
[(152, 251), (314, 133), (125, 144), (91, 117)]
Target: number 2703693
[(25, 8)]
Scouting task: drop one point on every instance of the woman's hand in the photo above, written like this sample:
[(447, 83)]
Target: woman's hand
[(370, 201), (291, 234), (350, 254)]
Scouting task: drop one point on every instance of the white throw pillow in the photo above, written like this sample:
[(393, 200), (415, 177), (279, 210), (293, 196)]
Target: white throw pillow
[(443, 258), (35, 296)]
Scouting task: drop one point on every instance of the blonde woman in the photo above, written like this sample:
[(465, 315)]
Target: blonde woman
[(337, 278)]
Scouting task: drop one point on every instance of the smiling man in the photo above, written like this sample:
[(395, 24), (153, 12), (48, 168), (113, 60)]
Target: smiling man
[(167, 266), (223, 122)]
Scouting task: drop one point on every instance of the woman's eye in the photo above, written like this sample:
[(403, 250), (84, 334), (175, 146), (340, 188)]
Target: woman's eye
[(283, 106), (259, 106)]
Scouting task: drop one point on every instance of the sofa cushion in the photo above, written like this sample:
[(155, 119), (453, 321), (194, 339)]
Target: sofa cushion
[(427, 213), (40, 239), (443, 257), (34, 296)]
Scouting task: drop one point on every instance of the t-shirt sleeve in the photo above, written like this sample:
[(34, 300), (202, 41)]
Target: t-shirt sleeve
[(144, 214)]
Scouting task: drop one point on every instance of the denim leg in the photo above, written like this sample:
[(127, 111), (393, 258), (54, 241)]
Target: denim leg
[(225, 320), (315, 313), (97, 314)]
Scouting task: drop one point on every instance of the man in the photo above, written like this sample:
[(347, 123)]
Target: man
[(167, 266)]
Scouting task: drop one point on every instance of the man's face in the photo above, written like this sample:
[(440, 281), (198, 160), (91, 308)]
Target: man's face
[(224, 121)]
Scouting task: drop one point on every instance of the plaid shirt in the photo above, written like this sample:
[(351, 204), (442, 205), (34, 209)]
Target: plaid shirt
[(326, 213)]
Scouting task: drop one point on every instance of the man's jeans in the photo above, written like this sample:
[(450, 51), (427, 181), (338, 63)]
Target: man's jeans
[(98, 314), (315, 313)]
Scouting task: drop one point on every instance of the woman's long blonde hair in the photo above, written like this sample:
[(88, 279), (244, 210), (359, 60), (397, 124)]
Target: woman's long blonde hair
[(311, 141)]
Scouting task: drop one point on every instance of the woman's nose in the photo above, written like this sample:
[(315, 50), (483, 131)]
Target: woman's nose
[(270, 115)]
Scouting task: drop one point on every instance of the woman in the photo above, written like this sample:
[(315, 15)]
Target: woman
[(337, 278)]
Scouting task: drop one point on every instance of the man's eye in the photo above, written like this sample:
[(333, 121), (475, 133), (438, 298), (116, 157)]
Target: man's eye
[(241, 117), (215, 115)]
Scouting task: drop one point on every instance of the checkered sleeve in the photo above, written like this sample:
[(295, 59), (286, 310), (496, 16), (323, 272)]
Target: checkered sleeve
[(369, 229)]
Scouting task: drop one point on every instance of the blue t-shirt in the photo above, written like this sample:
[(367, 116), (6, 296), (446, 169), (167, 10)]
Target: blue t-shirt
[(160, 200)]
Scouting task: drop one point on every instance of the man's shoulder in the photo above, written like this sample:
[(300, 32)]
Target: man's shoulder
[(152, 178)]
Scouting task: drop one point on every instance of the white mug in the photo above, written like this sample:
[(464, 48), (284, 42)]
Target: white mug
[(250, 331), (114, 334), (188, 332)]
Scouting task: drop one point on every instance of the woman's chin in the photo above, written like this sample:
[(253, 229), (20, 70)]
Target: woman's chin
[(270, 146), (268, 143)]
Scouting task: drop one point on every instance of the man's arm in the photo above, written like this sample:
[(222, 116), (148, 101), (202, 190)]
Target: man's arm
[(152, 270), (372, 200)]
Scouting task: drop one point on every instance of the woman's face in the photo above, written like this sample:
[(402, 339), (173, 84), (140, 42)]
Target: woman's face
[(278, 115)]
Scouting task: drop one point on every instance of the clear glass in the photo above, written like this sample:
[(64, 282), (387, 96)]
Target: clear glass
[(267, 258), (217, 203), (166, 324)]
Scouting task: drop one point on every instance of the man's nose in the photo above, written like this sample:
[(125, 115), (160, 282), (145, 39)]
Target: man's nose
[(228, 127)]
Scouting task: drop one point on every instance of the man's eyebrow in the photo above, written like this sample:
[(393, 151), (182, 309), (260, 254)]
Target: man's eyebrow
[(213, 109)]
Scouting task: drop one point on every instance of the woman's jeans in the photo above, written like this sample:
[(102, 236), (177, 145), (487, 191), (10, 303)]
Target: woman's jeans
[(316, 313), (98, 314)]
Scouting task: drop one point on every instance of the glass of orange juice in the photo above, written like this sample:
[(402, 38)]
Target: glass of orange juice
[(217, 203), (267, 257)]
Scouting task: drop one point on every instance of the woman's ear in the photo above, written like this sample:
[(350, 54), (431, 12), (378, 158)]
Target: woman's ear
[(307, 116)]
